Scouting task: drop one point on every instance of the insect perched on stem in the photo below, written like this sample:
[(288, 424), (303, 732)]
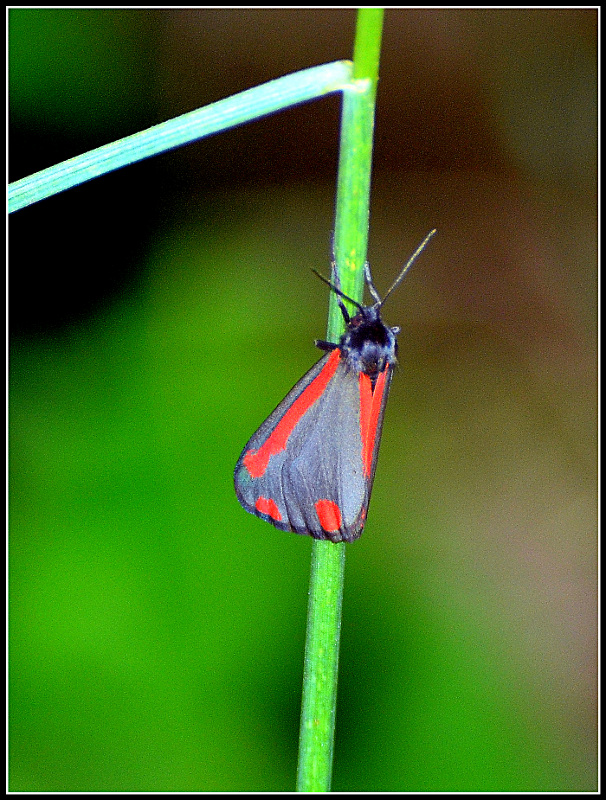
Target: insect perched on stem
[(309, 468)]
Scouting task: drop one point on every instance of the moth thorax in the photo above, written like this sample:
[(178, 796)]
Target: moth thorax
[(369, 347)]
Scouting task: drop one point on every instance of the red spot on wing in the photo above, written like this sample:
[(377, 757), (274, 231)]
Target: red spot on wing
[(265, 505), (256, 461), (329, 515), (370, 408)]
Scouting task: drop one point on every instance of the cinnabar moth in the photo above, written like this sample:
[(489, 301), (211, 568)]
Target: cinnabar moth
[(309, 468)]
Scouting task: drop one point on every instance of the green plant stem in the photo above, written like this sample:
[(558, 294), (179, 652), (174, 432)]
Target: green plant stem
[(318, 707), (243, 107), (321, 666), (355, 162)]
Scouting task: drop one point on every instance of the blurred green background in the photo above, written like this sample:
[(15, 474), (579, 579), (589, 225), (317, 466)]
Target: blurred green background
[(158, 314)]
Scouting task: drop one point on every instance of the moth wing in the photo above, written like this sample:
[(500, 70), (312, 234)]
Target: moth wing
[(303, 470), (259, 489)]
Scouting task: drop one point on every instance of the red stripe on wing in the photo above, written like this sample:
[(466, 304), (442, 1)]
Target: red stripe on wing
[(329, 515), (256, 461), (265, 505), (370, 408)]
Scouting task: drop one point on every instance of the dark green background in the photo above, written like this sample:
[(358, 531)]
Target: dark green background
[(157, 316)]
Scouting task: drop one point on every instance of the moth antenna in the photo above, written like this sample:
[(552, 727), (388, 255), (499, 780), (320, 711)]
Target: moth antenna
[(406, 267), (337, 291), (334, 272), (370, 284)]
